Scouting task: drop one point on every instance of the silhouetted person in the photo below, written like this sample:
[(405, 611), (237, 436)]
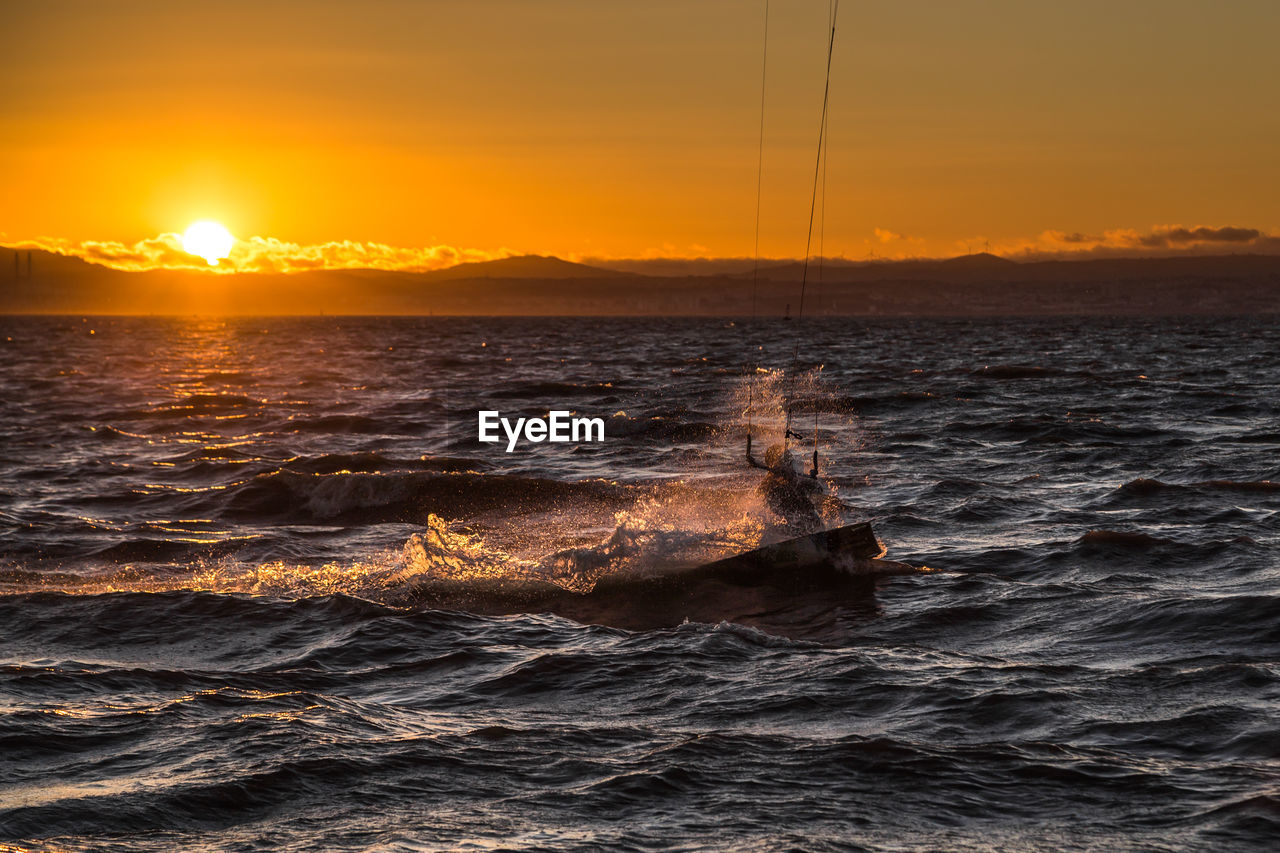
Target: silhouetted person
[(787, 494)]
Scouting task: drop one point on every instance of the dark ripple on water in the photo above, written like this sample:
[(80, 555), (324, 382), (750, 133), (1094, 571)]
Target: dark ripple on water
[(1096, 664)]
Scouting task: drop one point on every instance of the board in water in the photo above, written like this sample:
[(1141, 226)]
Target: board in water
[(819, 570), (848, 550)]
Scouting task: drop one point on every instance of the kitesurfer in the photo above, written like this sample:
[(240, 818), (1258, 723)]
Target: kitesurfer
[(787, 494)]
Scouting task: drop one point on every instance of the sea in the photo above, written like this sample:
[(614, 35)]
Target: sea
[(213, 533)]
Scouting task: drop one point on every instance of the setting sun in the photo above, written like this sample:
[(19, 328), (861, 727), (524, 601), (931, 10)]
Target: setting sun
[(208, 240)]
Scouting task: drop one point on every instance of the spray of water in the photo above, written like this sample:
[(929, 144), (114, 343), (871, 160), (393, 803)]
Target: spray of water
[(670, 525)]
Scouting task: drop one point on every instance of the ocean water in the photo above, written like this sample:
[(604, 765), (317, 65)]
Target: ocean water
[(214, 533)]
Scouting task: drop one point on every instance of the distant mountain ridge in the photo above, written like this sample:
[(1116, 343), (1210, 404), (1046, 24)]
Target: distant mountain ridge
[(969, 285), (523, 266)]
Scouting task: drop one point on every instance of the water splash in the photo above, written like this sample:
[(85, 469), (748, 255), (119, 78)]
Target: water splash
[(676, 527), (822, 419), (515, 533)]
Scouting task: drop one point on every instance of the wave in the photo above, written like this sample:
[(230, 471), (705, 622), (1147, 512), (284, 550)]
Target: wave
[(1143, 487), (213, 454), (1123, 539), (954, 487), (662, 428), (1014, 371), (1259, 437), (230, 377), (553, 391), (206, 402), (294, 497), (1229, 624), (1047, 429), (369, 462), (152, 550), (107, 434), (119, 620), (347, 425), (634, 577), (1130, 559)]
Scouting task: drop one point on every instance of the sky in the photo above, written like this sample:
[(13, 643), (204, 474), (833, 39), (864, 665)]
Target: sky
[(417, 134)]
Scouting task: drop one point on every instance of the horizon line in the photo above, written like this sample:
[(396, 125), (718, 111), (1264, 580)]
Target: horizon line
[(647, 265)]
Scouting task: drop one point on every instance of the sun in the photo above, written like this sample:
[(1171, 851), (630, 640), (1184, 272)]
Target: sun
[(209, 240)]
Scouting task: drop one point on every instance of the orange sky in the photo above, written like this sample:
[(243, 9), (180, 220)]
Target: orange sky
[(461, 130)]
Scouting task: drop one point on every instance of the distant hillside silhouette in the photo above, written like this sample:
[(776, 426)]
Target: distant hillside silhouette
[(522, 266), (46, 263), (970, 285), (977, 261)]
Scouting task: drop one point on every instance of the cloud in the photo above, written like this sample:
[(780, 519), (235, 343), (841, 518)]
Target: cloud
[(266, 255), (1129, 242), (884, 244), (270, 255), (1176, 235), (887, 244)]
